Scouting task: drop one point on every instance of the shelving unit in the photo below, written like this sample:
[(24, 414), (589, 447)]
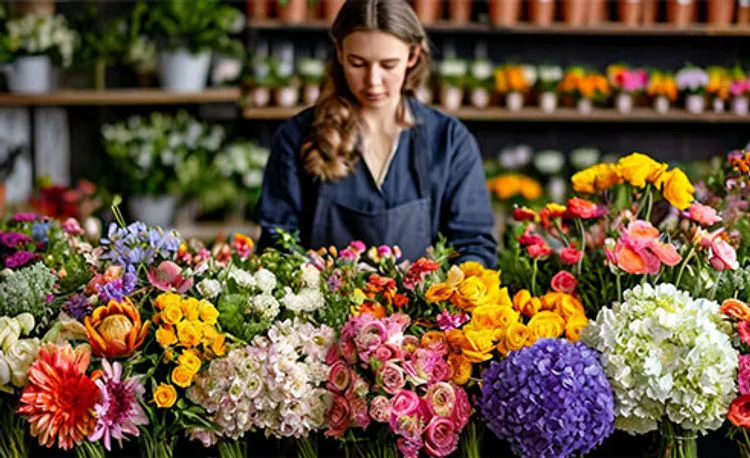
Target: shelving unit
[(121, 97)]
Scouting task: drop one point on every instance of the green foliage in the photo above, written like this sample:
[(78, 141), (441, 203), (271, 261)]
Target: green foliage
[(26, 290)]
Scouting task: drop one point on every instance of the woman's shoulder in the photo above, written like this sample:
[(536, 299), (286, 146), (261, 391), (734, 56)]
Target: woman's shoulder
[(298, 126), (438, 122)]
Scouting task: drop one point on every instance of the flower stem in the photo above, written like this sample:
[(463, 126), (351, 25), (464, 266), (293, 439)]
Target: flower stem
[(682, 267), (650, 203), (619, 287), (533, 277), (579, 223)]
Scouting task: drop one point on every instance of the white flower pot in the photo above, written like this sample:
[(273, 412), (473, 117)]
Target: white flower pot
[(624, 103), (718, 105), (181, 71), (423, 94), (585, 106), (661, 104), (480, 98), (310, 94), (451, 97), (548, 101), (30, 74), (260, 96), (740, 105), (156, 211), (514, 101), (695, 103), (286, 96)]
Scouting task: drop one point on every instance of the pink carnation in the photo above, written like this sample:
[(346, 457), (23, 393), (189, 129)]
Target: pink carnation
[(743, 374), (744, 330)]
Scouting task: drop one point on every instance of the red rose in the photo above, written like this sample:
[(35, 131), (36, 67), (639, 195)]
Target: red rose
[(538, 250), (570, 255), (564, 282), (338, 417), (739, 411)]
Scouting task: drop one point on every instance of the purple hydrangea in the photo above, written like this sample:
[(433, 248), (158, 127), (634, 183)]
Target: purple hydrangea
[(549, 400), (138, 243), (13, 239), (18, 259), (78, 306), (118, 288)]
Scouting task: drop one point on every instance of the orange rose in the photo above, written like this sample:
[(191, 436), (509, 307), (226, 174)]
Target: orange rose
[(574, 326), (524, 303)]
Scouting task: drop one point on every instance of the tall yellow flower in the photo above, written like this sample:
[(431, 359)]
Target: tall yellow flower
[(471, 293), (676, 188), (638, 169), (573, 327), (472, 269), (597, 178)]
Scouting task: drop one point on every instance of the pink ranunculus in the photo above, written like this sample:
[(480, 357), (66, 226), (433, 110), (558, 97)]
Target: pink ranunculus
[(409, 449), (360, 415), (538, 251), (340, 377), (564, 282), (404, 403), (332, 355), (570, 255), (369, 337), (409, 345), (462, 410), (392, 378), (639, 250), (338, 416), (702, 214), (168, 277), (358, 388), (72, 227), (743, 374), (744, 330), (380, 409), (408, 426), (358, 246), (724, 256), (440, 437), (441, 399), (383, 353)]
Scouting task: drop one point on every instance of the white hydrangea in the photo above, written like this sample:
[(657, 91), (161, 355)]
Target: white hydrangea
[(265, 280), (243, 278), (265, 305), (666, 355), (209, 288), (307, 300)]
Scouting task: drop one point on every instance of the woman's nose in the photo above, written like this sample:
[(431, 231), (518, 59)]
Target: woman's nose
[(374, 76)]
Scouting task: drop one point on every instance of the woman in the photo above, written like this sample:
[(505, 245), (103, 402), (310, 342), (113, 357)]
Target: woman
[(371, 163)]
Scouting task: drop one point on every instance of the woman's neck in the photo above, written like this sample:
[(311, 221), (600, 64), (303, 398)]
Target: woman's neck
[(383, 119)]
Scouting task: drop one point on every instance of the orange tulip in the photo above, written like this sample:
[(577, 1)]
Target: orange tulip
[(115, 330)]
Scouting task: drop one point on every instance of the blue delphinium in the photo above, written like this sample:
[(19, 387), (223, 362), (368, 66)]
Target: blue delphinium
[(119, 288), (549, 400), (138, 243)]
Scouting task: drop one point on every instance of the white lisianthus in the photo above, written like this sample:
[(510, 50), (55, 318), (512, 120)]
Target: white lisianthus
[(265, 280)]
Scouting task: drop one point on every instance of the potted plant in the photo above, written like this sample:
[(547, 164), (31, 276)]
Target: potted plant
[(630, 12), (692, 81), (585, 88), (285, 83), (292, 11), (718, 87), (331, 9), (743, 12), (459, 11), (720, 12), (187, 33), (257, 82), (101, 42), (452, 79), (513, 82), (140, 50), (627, 83), (542, 12), (662, 88), (740, 91), (650, 10), (504, 12), (33, 44), (427, 10), (158, 160), (597, 12), (681, 13), (479, 83), (258, 9), (311, 73), (549, 77)]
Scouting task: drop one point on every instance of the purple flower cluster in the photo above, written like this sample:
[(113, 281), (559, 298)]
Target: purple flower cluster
[(78, 306), (13, 239), (138, 243), (549, 400), (18, 259), (119, 288), (24, 217)]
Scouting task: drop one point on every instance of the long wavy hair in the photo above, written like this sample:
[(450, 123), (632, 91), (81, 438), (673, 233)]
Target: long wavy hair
[(330, 152)]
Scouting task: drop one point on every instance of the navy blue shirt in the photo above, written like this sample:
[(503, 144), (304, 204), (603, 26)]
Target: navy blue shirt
[(460, 203)]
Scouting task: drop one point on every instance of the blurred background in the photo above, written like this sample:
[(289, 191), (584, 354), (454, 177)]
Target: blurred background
[(172, 104)]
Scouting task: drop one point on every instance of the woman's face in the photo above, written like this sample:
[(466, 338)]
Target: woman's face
[(375, 65)]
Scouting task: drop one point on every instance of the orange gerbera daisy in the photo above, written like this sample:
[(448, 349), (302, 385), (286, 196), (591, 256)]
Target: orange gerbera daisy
[(59, 397)]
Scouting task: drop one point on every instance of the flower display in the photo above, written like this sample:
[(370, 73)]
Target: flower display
[(549, 399)]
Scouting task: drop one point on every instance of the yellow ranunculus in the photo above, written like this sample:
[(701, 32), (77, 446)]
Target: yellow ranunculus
[(209, 335), (165, 299), (190, 308), (677, 189), (439, 292), (506, 316), (190, 361), (547, 324), (165, 396), (551, 301), (461, 368), (585, 181), (570, 306), (574, 326), (182, 377), (638, 169), (172, 314), (480, 345), (517, 336), (524, 303), (207, 312), (219, 345), (187, 334), (597, 178), (472, 269), (484, 317), (165, 336), (471, 293)]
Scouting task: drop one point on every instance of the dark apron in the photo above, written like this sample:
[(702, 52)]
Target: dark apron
[(408, 225)]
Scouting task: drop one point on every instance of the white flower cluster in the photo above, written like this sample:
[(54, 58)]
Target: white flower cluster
[(259, 286), (42, 34), (276, 384), (309, 298), (16, 354), (243, 159), (141, 54), (666, 355), (209, 288)]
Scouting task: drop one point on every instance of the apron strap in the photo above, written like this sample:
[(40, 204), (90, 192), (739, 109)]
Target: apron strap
[(420, 150)]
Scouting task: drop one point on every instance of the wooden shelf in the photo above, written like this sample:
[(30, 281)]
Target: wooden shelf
[(121, 97), (533, 114), (559, 28)]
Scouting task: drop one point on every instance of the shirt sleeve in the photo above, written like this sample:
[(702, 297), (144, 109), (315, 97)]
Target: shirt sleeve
[(468, 221), (280, 202)]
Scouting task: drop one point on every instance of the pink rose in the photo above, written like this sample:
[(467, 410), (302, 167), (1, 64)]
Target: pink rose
[(441, 399), (338, 417), (358, 388), (744, 330), (405, 403), (380, 409), (441, 437), (743, 374), (340, 377), (369, 337), (392, 378), (348, 349), (702, 214), (410, 449), (570, 255), (359, 413), (462, 409), (724, 257), (564, 282), (384, 353), (441, 371)]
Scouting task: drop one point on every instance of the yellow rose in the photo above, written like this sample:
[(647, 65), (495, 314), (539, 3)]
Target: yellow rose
[(677, 189), (637, 169), (574, 326), (219, 345), (190, 361), (472, 269), (182, 377), (165, 299), (165, 336), (484, 317), (172, 314), (187, 334), (547, 324), (480, 345), (461, 368), (517, 336), (439, 292), (208, 313), (190, 308), (165, 395), (471, 293)]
